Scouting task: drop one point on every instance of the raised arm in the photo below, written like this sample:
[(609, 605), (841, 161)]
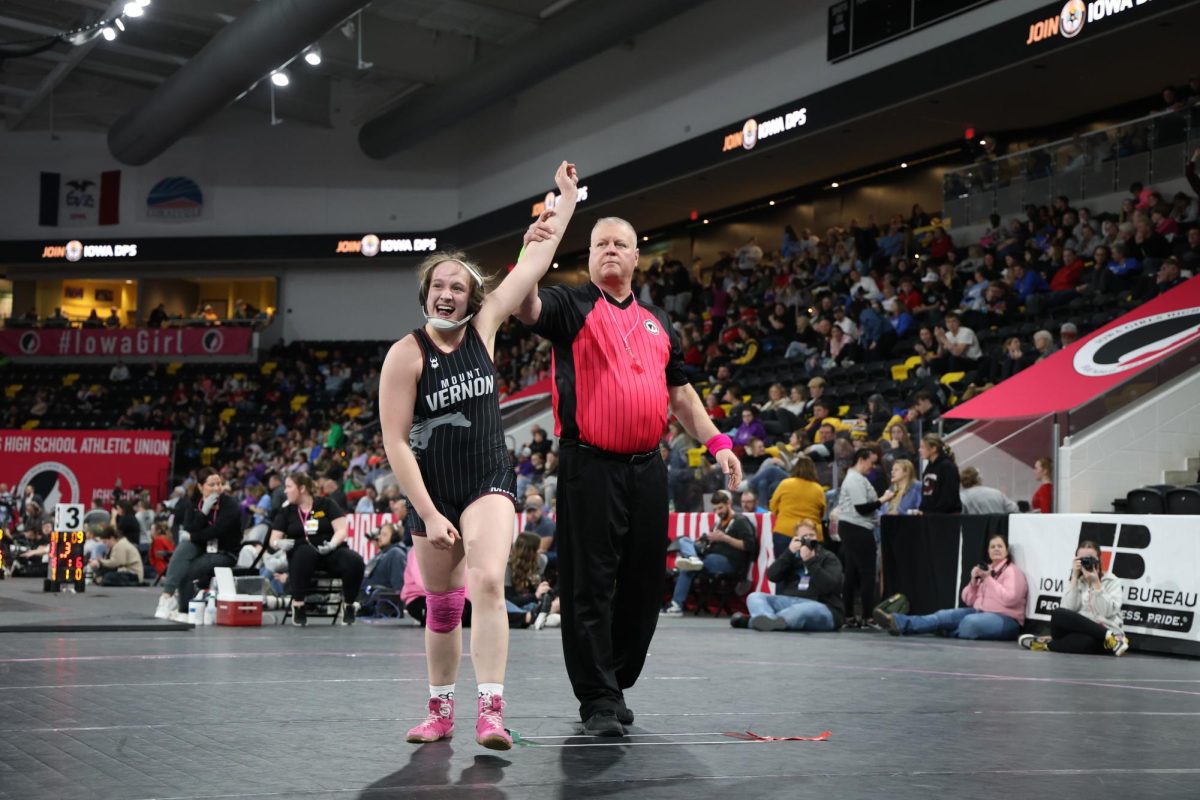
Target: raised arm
[(533, 263), (397, 398)]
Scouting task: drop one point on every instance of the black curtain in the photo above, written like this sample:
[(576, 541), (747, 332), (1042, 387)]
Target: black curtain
[(921, 555)]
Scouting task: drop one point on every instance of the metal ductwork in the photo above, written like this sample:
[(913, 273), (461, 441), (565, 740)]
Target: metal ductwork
[(268, 34), (568, 38)]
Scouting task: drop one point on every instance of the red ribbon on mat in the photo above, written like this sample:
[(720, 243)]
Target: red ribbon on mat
[(750, 736)]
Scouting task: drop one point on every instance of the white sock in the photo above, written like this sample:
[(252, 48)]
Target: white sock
[(444, 692), (496, 689)]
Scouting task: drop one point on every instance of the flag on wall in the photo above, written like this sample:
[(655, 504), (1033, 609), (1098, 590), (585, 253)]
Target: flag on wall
[(80, 200)]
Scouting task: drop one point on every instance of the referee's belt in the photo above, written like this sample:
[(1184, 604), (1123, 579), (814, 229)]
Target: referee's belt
[(608, 455)]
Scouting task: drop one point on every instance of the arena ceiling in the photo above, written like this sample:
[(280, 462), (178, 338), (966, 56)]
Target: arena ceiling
[(415, 44), (406, 45)]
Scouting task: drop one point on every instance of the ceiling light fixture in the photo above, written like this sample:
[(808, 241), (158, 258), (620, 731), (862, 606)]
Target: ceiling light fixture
[(109, 33), (120, 23), (903, 165), (280, 78), (833, 185), (771, 203), (312, 56), (134, 10)]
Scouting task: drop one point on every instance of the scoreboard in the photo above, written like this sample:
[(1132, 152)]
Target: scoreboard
[(67, 560), (857, 25)]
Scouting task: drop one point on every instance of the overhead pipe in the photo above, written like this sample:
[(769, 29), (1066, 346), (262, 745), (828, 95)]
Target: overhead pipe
[(566, 39), (269, 34)]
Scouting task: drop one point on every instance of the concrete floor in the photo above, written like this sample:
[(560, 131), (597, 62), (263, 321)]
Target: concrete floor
[(321, 712)]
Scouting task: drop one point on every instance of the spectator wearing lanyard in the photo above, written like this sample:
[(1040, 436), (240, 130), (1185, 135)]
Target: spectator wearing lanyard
[(312, 530), (618, 370), (209, 537)]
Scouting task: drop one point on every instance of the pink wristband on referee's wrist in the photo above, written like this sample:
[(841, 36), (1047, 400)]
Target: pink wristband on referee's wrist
[(718, 443)]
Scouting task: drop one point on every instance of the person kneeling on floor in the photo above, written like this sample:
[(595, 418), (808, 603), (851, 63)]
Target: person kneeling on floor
[(994, 603), (123, 564), (808, 585)]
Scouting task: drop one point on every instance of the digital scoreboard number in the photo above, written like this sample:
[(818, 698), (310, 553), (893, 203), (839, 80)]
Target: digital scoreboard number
[(67, 560)]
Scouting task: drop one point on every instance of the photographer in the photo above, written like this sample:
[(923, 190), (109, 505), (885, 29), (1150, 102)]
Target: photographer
[(730, 547), (384, 572), (312, 530), (1088, 618), (994, 603), (808, 586)]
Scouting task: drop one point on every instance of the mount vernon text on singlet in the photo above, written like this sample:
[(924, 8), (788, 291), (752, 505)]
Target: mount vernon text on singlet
[(455, 388)]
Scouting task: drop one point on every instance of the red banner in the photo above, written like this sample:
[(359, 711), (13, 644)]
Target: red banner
[(166, 342), (1098, 362), (77, 466)]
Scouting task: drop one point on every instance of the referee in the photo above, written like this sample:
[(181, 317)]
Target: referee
[(618, 370)]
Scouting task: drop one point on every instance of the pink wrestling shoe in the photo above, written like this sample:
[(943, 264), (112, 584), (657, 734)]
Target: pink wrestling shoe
[(438, 725), (489, 729)]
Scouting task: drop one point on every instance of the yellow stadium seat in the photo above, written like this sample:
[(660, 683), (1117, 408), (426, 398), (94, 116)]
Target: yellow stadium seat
[(69, 380), (298, 401), (912, 362), (228, 414), (772, 451), (268, 367), (899, 372), (31, 424), (745, 398), (953, 377), (174, 367), (696, 456), (13, 390), (321, 354), (728, 407), (353, 412), (208, 454), (843, 410)]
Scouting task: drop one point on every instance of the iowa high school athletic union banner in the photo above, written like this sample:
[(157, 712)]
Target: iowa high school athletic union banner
[(79, 466), (1157, 558), (168, 342)]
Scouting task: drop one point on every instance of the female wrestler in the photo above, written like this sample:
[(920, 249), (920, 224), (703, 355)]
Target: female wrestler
[(443, 435)]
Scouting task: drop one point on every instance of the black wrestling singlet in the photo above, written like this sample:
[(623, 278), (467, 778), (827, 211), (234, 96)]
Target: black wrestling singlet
[(456, 433)]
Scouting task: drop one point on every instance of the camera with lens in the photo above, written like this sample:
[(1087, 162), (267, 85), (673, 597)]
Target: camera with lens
[(372, 535), (1090, 564), (811, 542)]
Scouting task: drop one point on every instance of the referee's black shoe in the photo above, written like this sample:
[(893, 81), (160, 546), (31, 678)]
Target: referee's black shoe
[(603, 723), (624, 714), (299, 616)]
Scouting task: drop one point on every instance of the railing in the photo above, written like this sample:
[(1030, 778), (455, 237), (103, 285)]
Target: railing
[(1151, 149)]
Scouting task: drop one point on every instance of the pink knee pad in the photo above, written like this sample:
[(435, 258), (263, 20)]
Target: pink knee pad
[(444, 609)]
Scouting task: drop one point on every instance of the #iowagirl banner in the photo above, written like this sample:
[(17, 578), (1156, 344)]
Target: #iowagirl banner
[(1156, 557), (167, 342), (79, 466)]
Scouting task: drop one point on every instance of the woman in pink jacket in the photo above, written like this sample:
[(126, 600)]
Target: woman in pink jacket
[(994, 603)]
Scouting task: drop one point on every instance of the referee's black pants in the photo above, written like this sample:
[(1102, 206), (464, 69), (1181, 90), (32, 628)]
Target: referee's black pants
[(612, 549)]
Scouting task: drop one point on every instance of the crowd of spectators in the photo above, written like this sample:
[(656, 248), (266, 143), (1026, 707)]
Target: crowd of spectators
[(794, 347), (204, 315)]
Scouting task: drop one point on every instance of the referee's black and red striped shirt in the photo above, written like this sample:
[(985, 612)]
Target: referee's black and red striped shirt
[(600, 397)]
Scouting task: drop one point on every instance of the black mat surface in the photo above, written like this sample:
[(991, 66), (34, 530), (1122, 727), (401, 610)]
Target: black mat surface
[(321, 713)]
